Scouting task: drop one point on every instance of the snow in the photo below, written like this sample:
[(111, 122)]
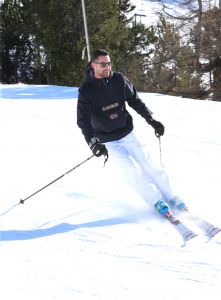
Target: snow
[(146, 11), (89, 235)]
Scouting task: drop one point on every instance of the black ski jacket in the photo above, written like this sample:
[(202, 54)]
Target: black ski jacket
[(101, 108)]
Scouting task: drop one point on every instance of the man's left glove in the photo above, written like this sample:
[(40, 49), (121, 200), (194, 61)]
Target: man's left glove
[(97, 147), (159, 127)]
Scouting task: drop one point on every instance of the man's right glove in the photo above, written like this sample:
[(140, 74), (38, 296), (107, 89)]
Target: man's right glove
[(97, 147)]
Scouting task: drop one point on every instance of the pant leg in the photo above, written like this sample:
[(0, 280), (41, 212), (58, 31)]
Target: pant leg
[(151, 171), (133, 175)]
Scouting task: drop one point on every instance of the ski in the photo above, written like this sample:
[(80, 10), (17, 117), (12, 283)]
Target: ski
[(183, 230), (208, 228)]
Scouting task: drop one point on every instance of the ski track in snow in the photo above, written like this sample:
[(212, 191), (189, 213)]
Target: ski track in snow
[(89, 235)]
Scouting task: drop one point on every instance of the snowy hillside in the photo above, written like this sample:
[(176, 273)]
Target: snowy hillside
[(89, 235), (146, 11)]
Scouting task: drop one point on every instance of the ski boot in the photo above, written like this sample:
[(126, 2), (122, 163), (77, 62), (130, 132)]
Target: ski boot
[(177, 203), (164, 209)]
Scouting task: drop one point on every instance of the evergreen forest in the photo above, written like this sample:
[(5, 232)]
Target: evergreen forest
[(43, 42)]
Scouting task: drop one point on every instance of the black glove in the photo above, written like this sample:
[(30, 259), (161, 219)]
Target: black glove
[(159, 127), (97, 147)]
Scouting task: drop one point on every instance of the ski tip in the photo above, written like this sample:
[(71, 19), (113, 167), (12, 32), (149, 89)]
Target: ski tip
[(215, 235), (214, 231), (189, 237)]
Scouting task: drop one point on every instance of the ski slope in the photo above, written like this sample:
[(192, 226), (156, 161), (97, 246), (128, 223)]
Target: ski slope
[(89, 235)]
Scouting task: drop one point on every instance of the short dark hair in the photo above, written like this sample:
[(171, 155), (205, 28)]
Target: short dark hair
[(99, 52)]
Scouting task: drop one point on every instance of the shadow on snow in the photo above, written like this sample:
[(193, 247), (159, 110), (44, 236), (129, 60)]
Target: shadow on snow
[(14, 235), (33, 92)]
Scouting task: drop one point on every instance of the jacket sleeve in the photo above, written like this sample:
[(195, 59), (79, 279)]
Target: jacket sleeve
[(135, 102), (84, 117)]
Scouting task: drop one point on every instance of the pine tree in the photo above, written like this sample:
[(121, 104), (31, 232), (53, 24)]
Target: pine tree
[(57, 32), (42, 40), (210, 51), (201, 21), (162, 73), (16, 46)]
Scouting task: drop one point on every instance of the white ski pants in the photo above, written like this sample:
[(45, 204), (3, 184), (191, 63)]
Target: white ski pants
[(149, 179)]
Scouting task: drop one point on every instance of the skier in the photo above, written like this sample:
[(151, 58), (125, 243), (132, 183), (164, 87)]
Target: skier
[(108, 129)]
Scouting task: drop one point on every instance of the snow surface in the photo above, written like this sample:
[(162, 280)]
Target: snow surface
[(89, 235)]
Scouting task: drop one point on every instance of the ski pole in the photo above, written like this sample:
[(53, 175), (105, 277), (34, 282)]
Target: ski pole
[(160, 148), (53, 181)]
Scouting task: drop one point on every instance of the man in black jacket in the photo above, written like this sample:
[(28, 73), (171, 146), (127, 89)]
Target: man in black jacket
[(108, 127)]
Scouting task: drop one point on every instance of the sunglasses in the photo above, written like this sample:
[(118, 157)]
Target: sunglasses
[(103, 64)]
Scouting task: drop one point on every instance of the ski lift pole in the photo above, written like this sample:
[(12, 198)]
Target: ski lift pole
[(86, 31), (53, 181)]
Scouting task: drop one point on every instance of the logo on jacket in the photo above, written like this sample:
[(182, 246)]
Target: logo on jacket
[(108, 107), (113, 116)]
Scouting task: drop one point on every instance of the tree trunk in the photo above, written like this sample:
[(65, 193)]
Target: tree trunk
[(198, 34), (217, 82)]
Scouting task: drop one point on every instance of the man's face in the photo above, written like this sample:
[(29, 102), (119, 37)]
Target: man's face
[(101, 66)]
